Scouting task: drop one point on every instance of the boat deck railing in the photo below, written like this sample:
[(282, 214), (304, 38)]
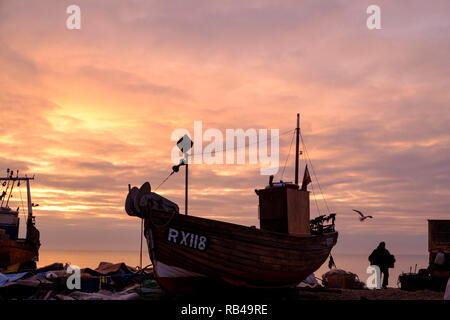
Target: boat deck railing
[(318, 226)]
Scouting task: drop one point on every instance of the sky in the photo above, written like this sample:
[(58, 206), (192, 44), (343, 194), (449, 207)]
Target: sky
[(90, 111)]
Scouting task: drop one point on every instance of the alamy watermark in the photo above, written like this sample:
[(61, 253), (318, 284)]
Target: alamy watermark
[(74, 280), (374, 20), (73, 21), (374, 280), (230, 147)]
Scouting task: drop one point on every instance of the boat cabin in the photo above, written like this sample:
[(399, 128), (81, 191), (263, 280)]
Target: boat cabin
[(439, 247), (9, 223), (284, 208)]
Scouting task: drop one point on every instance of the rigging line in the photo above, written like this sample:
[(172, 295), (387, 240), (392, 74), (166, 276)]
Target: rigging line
[(21, 200), (10, 193), (315, 199), (318, 184), (237, 148), (7, 187), (287, 157), (1, 193), (314, 172), (223, 150), (320, 188), (167, 178)]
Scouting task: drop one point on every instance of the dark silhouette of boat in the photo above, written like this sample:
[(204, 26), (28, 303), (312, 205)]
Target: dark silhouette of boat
[(190, 253), (13, 250)]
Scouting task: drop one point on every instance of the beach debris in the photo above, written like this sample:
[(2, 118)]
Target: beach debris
[(147, 289), (107, 268), (440, 259), (421, 281), (109, 281), (52, 267), (5, 278), (32, 281), (341, 279), (310, 282), (51, 275), (29, 286), (100, 295), (362, 216)]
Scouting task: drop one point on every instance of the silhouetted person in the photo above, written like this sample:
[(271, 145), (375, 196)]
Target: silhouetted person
[(384, 260)]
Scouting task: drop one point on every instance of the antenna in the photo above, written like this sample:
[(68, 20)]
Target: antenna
[(297, 151)]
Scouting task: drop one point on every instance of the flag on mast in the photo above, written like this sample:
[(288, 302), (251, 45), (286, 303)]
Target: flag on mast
[(306, 179)]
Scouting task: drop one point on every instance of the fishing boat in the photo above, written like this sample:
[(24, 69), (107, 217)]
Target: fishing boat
[(14, 251), (192, 253)]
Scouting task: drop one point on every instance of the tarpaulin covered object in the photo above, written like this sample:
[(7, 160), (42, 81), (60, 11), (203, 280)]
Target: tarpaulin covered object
[(107, 268), (11, 277)]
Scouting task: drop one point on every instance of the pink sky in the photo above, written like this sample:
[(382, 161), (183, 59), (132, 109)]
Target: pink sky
[(89, 111)]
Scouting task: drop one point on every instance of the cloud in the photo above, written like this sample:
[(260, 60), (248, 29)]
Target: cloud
[(116, 79), (91, 111), (16, 64)]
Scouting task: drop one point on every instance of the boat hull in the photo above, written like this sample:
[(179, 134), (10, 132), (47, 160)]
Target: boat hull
[(13, 252), (189, 253)]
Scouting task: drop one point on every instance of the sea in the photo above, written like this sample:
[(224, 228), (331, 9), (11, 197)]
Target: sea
[(356, 263)]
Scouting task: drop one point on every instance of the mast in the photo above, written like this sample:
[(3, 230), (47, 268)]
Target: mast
[(10, 178), (186, 188), (30, 205), (297, 151)]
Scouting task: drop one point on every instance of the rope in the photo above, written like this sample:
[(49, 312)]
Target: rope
[(244, 146), (223, 150), (149, 214), (314, 173), (167, 178), (287, 158), (315, 199)]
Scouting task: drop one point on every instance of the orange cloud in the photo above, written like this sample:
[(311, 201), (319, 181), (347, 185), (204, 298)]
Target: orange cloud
[(90, 111)]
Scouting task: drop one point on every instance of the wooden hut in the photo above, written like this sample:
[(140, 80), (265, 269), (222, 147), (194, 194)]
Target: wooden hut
[(439, 243)]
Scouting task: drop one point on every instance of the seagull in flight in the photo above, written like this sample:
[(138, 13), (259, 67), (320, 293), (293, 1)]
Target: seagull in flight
[(363, 217)]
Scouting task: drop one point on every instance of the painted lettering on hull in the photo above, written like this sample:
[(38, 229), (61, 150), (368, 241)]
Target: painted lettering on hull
[(187, 239)]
